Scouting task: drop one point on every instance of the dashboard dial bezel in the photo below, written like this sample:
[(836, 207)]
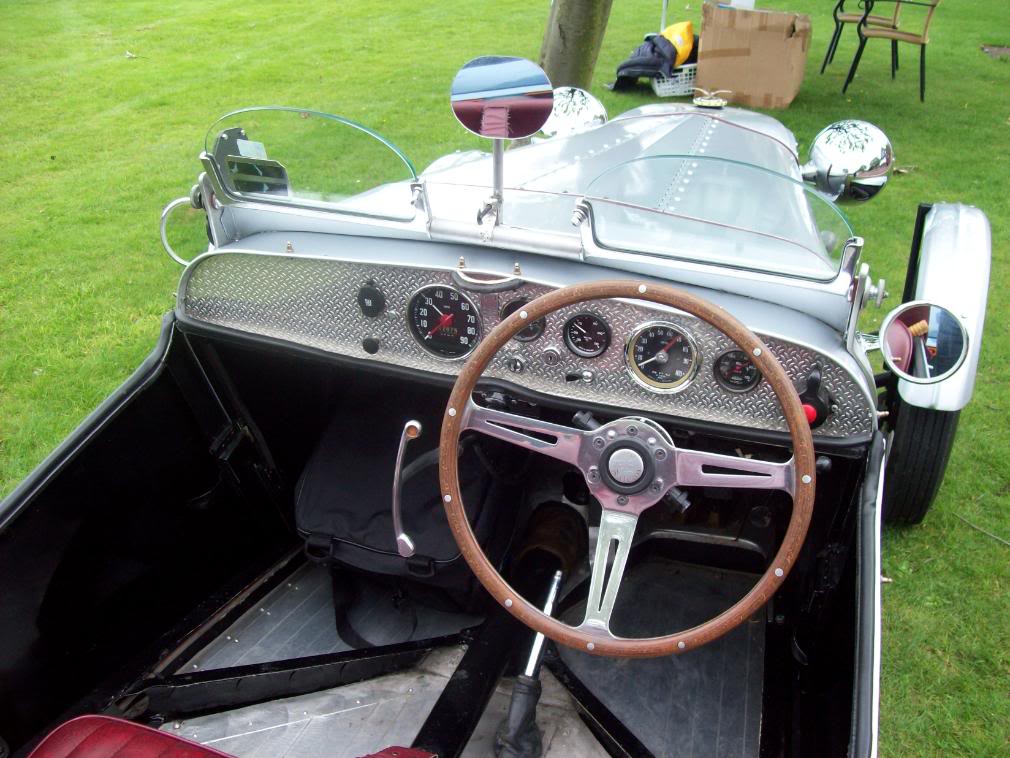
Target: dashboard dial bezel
[(409, 319), (631, 365), (722, 382), (575, 349), (539, 325)]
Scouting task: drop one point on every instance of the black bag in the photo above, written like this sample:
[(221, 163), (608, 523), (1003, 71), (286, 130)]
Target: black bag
[(654, 57), (344, 497)]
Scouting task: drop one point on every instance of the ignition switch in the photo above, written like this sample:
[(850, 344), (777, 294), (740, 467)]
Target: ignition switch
[(816, 399)]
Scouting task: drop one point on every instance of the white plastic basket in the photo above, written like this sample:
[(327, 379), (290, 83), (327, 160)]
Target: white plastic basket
[(679, 84)]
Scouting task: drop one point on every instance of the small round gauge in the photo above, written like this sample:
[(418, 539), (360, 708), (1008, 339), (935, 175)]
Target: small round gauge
[(587, 334), (536, 328), (444, 321), (662, 357), (735, 371)]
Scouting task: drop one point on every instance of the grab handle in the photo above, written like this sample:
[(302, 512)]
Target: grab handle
[(404, 544)]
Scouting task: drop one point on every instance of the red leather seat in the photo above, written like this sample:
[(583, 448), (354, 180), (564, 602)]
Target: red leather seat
[(105, 737)]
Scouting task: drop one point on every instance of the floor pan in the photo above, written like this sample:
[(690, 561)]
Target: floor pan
[(296, 620), (360, 719), (704, 703)]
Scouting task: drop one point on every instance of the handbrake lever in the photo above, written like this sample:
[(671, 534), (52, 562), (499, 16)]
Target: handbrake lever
[(404, 544)]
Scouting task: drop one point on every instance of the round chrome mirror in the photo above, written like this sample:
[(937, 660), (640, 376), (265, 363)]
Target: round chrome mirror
[(922, 342), (575, 111), (850, 161), (502, 98)]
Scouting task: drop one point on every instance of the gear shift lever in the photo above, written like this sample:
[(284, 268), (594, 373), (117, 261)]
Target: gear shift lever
[(518, 735), (404, 544)]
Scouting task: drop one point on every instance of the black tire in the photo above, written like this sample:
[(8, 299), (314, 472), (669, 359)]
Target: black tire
[(920, 448)]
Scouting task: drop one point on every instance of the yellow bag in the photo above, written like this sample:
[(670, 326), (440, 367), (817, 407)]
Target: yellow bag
[(682, 37)]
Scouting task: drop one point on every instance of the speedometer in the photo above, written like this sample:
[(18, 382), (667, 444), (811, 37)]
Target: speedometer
[(444, 321), (662, 357)]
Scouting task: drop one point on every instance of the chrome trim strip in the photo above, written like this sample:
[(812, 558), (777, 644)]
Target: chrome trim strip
[(698, 112), (877, 607)]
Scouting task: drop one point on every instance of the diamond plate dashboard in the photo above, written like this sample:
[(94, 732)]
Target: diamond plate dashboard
[(313, 302)]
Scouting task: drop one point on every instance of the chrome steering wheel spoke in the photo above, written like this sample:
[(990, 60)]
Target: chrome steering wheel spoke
[(613, 544), (563, 442), (732, 471)]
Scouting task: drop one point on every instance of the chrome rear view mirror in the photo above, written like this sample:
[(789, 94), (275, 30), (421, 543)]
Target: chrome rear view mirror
[(850, 161), (502, 97), (923, 343)]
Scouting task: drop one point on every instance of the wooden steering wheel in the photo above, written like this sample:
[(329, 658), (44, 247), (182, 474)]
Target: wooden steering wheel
[(628, 464)]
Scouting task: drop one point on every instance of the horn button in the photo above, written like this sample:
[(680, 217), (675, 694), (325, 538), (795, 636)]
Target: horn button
[(627, 466)]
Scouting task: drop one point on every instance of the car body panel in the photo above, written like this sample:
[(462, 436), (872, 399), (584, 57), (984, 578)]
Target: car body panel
[(953, 272)]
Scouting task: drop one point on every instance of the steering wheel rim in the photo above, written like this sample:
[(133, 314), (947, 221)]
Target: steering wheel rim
[(800, 472)]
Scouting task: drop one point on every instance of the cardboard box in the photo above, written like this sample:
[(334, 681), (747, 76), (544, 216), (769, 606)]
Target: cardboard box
[(760, 56)]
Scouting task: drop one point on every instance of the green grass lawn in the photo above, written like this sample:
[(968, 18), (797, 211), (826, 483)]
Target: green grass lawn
[(93, 142)]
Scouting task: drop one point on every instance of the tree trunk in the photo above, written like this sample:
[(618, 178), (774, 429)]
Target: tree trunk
[(572, 41)]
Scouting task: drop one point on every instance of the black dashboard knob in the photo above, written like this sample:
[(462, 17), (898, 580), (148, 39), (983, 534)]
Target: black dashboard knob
[(371, 300)]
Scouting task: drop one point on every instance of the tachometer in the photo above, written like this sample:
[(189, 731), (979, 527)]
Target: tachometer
[(736, 371), (662, 357), (587, 334), (444, 321)]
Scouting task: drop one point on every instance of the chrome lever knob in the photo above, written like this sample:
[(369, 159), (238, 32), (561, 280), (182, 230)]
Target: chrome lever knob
[(404, 544)]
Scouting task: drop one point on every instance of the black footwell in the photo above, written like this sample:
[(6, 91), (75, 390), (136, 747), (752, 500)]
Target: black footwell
[(706, 702)]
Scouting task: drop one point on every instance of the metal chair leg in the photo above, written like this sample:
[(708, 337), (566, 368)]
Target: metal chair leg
[(894, 57), (830, 54), (855, 63), (839, 28), (922, 73)]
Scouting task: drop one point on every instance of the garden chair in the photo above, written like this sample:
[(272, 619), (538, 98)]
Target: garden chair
[(842, 18), (866, 32)]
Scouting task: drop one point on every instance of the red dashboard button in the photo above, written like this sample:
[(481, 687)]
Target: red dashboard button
[(810, 412)]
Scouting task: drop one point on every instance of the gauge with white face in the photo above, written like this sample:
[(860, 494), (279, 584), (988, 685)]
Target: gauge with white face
[(662, 357)]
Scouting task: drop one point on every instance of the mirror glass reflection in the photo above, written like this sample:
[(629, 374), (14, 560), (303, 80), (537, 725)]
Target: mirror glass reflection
[(575, 111), (502, 98), (923, 343)]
